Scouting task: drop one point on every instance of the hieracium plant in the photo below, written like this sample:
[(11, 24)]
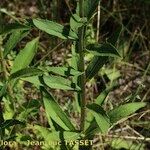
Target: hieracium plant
[(93, 118)]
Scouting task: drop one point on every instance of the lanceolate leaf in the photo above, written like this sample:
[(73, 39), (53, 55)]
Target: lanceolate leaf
[(14, 38), (124, 111), (92, 129), (55, 112), (95, 65), (76, 22), (100, 116), (27, 72), (57, 82), (3, 91), (55, 29), (25, 56), (89, 7), (7, 28), (55, 135), (8, 123), (103, 50), (34, 80), (63, 71), (99, 100)]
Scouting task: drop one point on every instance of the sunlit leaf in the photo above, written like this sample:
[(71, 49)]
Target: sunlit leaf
[(54, 29), (25, 56), (56, 135), (63, 71), (54, 111), (34, 80), (124, 111), (76, 22), (100, 116), (57, 82)]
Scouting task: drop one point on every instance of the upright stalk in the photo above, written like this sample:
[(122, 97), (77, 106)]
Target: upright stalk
[(81, 66), (1, 108)]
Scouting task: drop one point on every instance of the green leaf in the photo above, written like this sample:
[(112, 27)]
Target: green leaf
[(120, 143), (14, 38), (7, 28), (74, 64), (34, 80), (25, 56), (3, 91), (55, 29), (56, 135), (63, 71), (94, 66), (101, 98), (57, 82), (76, 22), (54, 111), (124, 111), (92, 129), (100, 116), (28, 109), (10, 122), (89, 7), (105, 49), (27, 72)]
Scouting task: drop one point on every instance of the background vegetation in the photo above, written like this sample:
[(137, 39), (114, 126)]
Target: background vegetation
[(128, 77)]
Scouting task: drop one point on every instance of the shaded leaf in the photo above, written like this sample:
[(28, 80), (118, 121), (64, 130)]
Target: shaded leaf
[(7, 28), (27, 72), (30, 108), (14, 38), (3, 91), (103, 50), (10, 122), (95, 65), (124, 111), (100, 116), (92, 129), (55, 29), (54, 111), (25, 56), (89, 7)]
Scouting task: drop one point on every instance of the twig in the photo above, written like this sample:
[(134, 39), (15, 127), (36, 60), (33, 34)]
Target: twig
[(128, 137), (98, 21)]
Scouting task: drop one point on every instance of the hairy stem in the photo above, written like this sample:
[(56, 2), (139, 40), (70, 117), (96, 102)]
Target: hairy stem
[(1, 108), (81, 80)]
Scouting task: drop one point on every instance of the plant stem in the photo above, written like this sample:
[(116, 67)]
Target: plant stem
[(81, 67), (1, 108)]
